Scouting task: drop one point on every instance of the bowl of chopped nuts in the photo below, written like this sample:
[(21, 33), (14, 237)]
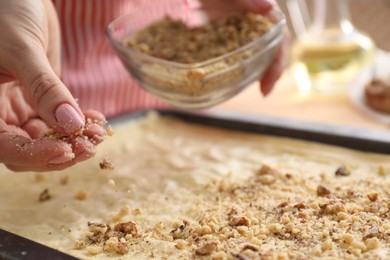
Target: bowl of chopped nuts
[(190, 60)]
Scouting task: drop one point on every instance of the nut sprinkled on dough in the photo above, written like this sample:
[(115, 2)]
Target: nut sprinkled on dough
[(207, 248), (111, 183), (372, 196), (44, 195), (81, 195), (64, 180), (322, 191), (343, 171)]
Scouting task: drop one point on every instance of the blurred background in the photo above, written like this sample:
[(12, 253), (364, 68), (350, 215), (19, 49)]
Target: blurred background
[(348, 108), (370, 16)]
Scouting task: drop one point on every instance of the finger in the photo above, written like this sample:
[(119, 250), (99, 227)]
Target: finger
[(52, 100), (43, 168), (275, 70), (82, 148), (5, 78), (6, 128), (23, 151), (95, 116), (95, 132), (257, 6), (35, 127)]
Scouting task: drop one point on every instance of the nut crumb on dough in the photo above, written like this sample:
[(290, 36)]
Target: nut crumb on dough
[(343, 171), (111, 183), (44, 195), (322, 191), (64, 180), (81, 195), (39, 177), (124, 211), (207, 248), (373, 196), (308, 217)]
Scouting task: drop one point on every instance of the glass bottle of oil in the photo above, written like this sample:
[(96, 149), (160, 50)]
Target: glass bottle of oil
[(330, 52)]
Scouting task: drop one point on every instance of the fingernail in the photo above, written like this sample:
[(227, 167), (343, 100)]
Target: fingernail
[(68, 118), (66, 157)]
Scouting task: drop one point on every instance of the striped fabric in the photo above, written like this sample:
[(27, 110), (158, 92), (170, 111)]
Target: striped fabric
[(90, 69)]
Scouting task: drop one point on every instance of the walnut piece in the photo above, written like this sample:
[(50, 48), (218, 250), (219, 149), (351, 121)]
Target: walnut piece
[(343, 171), (207, 248), (105, 164), (44, 195), (322, 191)]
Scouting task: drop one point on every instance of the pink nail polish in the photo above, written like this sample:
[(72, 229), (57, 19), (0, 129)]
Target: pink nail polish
[(68, 118), (66, 157)]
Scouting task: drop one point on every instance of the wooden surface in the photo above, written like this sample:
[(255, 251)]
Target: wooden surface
[(285, 101)]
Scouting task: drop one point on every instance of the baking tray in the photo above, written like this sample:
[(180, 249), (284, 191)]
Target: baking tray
[(13, 247)]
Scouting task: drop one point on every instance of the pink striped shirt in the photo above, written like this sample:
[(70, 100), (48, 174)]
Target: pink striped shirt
[(90, 69)]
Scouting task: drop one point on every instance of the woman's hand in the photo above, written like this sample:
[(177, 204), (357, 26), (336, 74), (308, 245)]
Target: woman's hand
[(33, 98), (262, 7)]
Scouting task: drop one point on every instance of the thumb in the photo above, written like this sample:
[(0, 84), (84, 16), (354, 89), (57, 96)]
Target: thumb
[(48, 95)]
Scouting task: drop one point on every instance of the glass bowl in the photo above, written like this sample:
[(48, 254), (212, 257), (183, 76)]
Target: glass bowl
[(194, 85)]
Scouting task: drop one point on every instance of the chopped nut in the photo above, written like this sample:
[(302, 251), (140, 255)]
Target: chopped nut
[(241, 221), (97, 227), (347, 238), (265, 170), (373, 196), (372, 243), (109, 131), (113, 245), (111, 183), (44, 195), (283, 204), (64, 180), (342, 216), (250, 247), (381, 171), (39, 177), (172, 40), (207, 248), (372, 232), (359, 245), (94, 250), (343, 171), (127, 228), (180, 244), (322, 191), (300, 206), (275, 228), (124, 211), (137, 211), (105, 164), (81, 195), (79, 244), (266, 179), (327, 245), (181, 231), (204, 230)]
